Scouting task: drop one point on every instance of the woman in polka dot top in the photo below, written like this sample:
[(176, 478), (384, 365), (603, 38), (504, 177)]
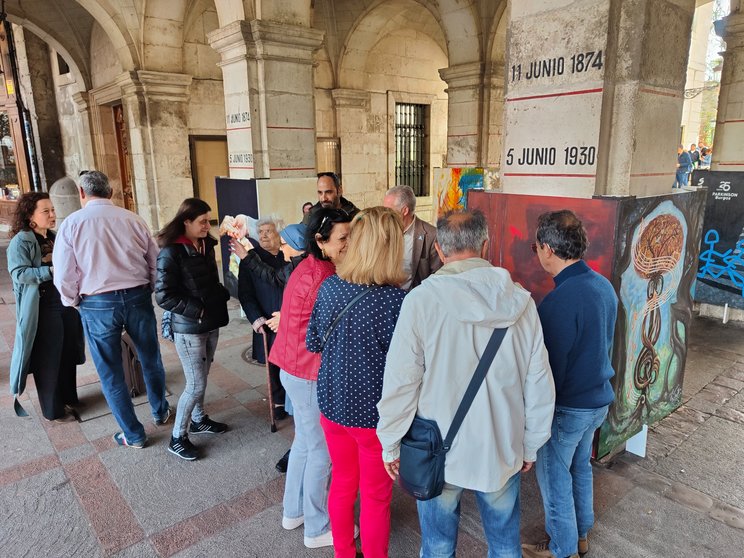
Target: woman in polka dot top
[(350, 376)]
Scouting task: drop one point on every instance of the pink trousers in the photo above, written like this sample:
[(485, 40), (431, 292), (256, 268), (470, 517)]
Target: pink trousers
[(356, 458)]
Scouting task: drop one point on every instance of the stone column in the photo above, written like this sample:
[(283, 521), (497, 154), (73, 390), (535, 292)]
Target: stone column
[(155, 108), (231, 42), (352, 107), (728, 154), (269, 97), (493, 116), (86, 159), (464, 86), (597, 112)]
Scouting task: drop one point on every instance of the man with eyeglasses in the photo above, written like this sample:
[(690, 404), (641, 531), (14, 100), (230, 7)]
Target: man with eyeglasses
[(578, 321), (330, 194)]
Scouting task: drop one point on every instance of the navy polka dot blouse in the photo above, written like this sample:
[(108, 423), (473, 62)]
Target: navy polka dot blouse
[(353, 360)]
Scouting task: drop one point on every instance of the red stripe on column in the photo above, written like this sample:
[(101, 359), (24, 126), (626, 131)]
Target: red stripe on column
[(288, 128), (239, 128), (294, 169), (564, 94), (549, 175), (661, 93), (652, 174)]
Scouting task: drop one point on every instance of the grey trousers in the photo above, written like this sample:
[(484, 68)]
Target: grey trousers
[(196, 351)]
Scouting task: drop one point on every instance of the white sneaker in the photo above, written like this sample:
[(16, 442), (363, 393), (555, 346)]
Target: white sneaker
[(290, 523), (326, 539)]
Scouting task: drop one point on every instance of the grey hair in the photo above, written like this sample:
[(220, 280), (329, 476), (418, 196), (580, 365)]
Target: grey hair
[(404, 195), (462, 231), (272, 219), (95, 184)]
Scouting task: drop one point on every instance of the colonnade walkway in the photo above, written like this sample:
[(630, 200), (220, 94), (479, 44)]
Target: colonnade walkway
[(67, 490)]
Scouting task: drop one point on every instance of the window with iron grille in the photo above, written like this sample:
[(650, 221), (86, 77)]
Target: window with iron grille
[(411, 147)]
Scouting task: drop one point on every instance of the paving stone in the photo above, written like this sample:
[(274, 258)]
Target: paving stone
[(731, 516), (736, 402), (668, 435), (737, 385), (707, 465), (142, 549), (22, 439), (702, 402), (730, 414), (735, 372), (241, 459), (689, 497), (644, 525), (717, 394), (41, 517)]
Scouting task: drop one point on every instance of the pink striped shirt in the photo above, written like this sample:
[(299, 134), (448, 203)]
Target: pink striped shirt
[(102, 248)]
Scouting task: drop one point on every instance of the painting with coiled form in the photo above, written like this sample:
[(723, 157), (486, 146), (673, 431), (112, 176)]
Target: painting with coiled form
[(648, 249), (656, 262)]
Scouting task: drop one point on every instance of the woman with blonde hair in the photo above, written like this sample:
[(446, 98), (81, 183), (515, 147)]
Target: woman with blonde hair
[(352, 324)]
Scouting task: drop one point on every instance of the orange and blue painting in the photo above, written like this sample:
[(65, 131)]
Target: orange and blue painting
[(452, 185)]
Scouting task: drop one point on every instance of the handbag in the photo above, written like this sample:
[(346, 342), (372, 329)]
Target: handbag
[(166, 326), (422, 450), (346, 308)]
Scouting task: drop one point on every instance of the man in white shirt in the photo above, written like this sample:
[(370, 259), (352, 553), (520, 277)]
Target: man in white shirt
[(105, 262), (420, 259)]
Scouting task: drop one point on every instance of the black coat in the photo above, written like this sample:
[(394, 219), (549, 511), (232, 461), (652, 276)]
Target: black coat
[(259, 297), (189, 286)]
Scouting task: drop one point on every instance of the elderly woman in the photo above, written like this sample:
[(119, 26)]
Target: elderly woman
[(309, 468), (350, 376), (49, 340), (260, 298)]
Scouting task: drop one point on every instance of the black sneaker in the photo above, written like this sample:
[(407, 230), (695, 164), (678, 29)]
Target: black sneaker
[(207, 426), (282, 464), (183, 448)]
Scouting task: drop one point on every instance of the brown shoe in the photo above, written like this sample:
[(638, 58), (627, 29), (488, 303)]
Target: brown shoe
[(539, 550), (583, 546)]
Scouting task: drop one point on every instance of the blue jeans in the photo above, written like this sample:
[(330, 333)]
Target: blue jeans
[(196, 351), (564, 474), (309, 468), (680, 178), (440, 518), (104, 317)]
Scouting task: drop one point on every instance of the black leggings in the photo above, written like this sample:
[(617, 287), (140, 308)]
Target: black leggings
[(54, 354)]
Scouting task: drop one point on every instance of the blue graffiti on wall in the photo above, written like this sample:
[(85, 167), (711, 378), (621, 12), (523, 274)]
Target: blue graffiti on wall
[(727, 265)]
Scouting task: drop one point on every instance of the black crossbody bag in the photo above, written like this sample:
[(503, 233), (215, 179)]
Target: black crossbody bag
[(422, 451)]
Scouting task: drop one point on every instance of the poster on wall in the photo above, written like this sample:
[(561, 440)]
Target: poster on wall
[(648, 249), (236, 197), (720, 277)]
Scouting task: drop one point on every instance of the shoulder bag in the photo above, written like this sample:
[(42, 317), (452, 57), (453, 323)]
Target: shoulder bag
[(422, 451)]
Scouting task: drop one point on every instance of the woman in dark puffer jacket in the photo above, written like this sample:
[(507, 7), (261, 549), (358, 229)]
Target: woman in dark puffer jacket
[(188, 285)]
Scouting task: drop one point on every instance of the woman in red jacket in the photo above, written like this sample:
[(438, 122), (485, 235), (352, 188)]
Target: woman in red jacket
[(309, 468)]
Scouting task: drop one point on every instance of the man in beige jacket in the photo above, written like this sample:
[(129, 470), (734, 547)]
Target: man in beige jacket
[(443, 328)]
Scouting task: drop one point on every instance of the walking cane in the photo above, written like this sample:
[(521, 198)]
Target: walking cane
[(264, 334)]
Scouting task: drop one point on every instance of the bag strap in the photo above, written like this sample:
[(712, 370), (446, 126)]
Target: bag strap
[(480, 373), (335, 322)]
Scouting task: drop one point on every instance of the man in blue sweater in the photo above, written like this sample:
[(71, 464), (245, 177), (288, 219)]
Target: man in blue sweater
[(578, 320)]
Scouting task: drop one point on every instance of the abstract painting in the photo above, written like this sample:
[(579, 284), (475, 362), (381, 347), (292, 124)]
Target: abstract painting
[(451, 187), (648, 249)]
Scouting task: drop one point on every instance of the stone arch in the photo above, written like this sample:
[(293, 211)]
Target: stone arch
[(379, 21), (293, 12), (117, 26), (78, 67), (460, 23), (162, 35), (496, 47), (229, 11)]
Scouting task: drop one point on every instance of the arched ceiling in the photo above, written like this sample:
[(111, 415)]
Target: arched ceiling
[(380, 21), (64, 24)]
